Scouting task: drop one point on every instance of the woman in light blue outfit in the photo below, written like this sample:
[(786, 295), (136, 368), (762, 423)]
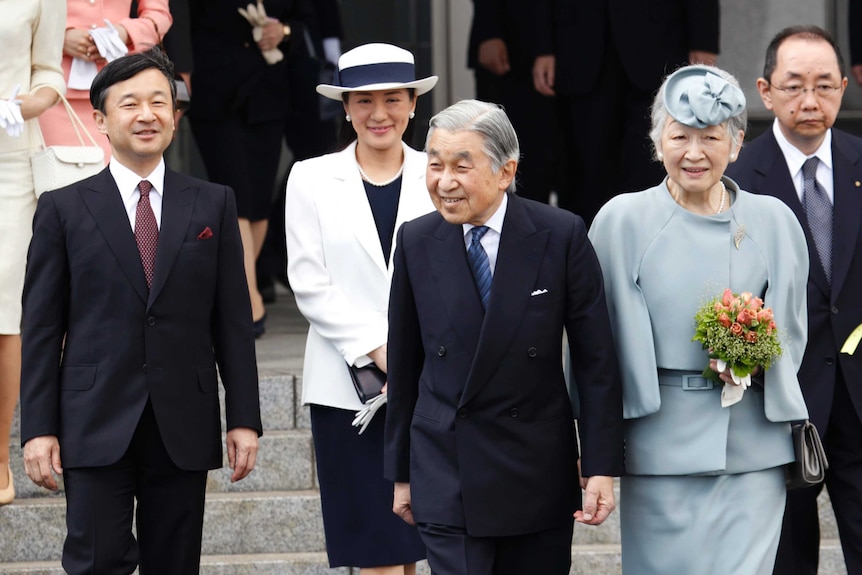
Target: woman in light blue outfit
[(705, 487)]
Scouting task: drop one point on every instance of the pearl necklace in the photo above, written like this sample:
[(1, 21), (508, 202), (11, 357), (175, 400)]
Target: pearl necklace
[(721, 203), (380, 184)]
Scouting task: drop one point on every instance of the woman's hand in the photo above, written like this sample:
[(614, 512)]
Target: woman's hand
[(378, 356), (79, 44), (32, 105), (725, 375)]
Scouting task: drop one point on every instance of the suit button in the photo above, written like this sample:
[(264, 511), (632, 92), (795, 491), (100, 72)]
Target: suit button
[(834, 309), (532, 352), (441, 351), (144, 368), (830, 361), (151, 321), (513, 412), (462, 413)]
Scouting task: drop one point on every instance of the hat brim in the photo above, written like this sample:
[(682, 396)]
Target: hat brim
[(335, 92)]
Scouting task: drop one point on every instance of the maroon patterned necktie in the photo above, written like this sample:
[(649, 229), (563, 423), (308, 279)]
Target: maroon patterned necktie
[(146, 231)]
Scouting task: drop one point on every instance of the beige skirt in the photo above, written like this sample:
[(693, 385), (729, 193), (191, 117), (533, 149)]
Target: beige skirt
[(17, 206)]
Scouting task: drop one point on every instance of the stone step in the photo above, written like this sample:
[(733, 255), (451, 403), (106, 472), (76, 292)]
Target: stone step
[(234, 523), (586, 560)]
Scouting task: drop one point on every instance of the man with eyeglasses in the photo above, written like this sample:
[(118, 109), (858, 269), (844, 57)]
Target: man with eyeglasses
[(817, 171)]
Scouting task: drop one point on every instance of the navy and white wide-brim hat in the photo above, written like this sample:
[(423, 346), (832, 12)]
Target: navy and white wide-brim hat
[(375, 67)]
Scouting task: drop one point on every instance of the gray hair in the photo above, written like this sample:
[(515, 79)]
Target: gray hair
[(659, 113), (487, 120)]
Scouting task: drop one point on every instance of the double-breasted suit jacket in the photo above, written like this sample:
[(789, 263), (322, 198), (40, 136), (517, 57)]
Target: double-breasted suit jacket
[(97, 344), (833, 312), (480, 422), (337, 268)]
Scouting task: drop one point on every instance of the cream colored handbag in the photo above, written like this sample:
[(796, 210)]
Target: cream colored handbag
[(58, 166)]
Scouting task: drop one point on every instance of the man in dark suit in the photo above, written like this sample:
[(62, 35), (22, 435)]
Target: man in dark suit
[(502, 47), (480, 432), (134, 293), (800, 160), (604, 60)]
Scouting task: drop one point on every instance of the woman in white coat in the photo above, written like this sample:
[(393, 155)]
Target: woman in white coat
[(31, 34), (341, 214)]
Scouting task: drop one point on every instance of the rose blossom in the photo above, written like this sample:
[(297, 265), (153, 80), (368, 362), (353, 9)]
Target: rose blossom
[(727, 298), (736, 329), (724, 320), (751, 337), (764, 315), (746, 316)]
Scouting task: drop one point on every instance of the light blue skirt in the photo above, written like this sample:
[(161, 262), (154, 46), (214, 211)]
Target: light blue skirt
[(703, 525)]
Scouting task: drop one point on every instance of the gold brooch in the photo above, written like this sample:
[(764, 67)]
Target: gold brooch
[(737, 237)]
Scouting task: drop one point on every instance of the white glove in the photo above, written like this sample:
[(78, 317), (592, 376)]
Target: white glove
[(10, 114), (108, 42), (732, 392), (366, 414), (256, 16)]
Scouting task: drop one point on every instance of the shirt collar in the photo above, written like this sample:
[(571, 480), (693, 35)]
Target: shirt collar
[(495, 222), (127, 180), (794, 156)]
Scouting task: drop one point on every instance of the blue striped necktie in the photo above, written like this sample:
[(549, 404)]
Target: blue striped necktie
[(478, 259), (818, 210)]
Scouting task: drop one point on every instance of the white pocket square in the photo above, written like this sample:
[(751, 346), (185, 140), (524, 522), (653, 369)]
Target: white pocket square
[(538, 292)]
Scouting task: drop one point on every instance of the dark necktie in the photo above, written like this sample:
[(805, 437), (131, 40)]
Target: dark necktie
[(478, 259), (146, 231), (818, 210)]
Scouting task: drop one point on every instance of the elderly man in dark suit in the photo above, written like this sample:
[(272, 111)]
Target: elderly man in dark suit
[(817, 171), (134, 293), (480, 433)]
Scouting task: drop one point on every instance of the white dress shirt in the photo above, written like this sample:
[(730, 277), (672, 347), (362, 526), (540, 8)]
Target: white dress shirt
[(127, 182), (795, 158), (491, 240)]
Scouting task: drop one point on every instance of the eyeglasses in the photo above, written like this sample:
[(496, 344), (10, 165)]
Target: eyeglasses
[(821, 90)]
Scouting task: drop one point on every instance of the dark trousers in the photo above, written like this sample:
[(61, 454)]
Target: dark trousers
[(799, 548), (169, 517), (606, 141), (452, 552)]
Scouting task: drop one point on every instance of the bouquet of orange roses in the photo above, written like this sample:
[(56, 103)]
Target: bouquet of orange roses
[(739, 333)]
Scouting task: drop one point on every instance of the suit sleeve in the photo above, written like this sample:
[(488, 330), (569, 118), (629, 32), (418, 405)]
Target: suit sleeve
[(594, 361), (405, 361), (46, 307), (232, 329)]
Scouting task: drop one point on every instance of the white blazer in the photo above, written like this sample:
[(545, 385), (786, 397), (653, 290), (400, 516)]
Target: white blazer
[(336, 267)]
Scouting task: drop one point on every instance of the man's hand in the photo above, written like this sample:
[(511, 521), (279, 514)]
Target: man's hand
[(543, 74), (494, 56), (241, 451), (598, 500), (41, 457), (701, 57), (401, 503)]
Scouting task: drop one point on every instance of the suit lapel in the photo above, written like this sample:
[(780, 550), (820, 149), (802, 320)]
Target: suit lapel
[(454, 281), (778, 183), (350, 193), (848, 204), (518, 261), (414, 200), (103, 200), (177, 203)]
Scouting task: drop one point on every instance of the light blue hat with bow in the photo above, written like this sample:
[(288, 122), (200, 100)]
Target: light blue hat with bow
[(697, 97)]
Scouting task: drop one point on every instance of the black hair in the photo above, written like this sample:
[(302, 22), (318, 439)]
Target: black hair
[(813, 33), (128, 66)]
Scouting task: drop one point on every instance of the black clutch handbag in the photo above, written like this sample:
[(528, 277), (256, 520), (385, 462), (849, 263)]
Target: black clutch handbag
[(368, 381), (810, 465)]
